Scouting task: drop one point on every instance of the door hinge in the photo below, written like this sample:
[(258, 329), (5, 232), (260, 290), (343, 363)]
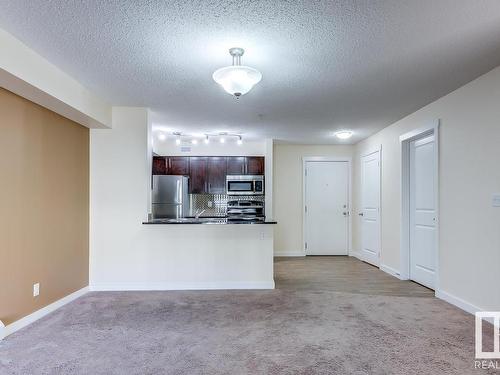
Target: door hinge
[(305, 245), (305, 209)]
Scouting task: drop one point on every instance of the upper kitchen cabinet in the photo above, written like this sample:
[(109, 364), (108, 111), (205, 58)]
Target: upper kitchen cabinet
[(198, 183), (159, 165), (178, 165), (236, 165), (216, 174), (255, 165)]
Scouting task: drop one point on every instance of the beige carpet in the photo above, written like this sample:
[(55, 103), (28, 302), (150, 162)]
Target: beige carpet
[(310, 330)]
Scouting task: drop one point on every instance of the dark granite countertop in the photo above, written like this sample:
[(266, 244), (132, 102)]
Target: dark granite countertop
[(208, 220)]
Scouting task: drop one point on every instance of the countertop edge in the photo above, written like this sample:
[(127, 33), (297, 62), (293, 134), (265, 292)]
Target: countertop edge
[(208, 223)]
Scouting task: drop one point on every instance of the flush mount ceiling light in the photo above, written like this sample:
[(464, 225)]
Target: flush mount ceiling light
[(344, 134), (237, 79)]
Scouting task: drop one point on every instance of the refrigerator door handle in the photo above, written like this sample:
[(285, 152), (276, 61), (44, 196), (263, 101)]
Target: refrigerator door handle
[(179, 191)]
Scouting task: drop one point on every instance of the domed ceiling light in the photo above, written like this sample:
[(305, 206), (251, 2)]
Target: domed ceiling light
[(237, 79), (344, 134)]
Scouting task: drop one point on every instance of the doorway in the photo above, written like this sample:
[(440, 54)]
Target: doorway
[(370, 207), (327, 205), (420, 195)]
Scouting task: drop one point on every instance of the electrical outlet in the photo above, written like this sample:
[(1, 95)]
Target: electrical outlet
[(36, 289)]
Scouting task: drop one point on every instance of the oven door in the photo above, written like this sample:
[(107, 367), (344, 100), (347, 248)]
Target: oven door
[(240, 187)]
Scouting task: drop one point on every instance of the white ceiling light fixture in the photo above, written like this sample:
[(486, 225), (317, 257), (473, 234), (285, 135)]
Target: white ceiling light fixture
[(240, 140), (206, 140), (237, 79), (344, 134)]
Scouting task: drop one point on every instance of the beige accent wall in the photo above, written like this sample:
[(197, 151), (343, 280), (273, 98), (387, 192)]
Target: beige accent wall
[(469, 165), (287, 192), (44, 206)]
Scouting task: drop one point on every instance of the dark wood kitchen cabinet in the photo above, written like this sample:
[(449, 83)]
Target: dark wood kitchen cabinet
[(255, 165), (216, 175), (236, 164), (207, 174), (159, 165), (178, 165), (198, 183)]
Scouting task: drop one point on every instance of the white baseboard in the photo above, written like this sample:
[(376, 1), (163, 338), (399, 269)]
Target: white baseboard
[(23, 322), (458, 302), (2, 330), (391, 271), (356, 254), (101, 287), (290, 254)]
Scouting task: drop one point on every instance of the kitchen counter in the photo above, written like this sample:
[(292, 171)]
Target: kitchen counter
[(208, 220)]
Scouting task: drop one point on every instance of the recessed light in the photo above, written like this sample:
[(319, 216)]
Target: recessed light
[(344, 134)]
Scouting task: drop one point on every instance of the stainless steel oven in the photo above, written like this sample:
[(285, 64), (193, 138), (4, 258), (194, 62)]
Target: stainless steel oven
[(245, 185)]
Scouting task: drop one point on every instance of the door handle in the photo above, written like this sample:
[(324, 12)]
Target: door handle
[(345, 213), (361, 214)]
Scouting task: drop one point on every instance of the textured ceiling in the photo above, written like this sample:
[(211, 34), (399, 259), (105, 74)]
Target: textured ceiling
[(326, 65)]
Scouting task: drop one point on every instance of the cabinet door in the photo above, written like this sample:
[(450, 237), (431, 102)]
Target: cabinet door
[(236, 165), (178, 165), (198, 175), (216, 175), (255, 165), (159, 165)]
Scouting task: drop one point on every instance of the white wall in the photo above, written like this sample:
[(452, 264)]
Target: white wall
[(469, 174), (287, 197), (125, 254), (27, 74)]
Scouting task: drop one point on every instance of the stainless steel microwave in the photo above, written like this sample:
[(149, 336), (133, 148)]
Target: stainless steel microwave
[(245, 185)]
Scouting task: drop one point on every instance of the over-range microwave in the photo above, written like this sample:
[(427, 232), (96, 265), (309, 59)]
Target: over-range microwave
[(245, 185)]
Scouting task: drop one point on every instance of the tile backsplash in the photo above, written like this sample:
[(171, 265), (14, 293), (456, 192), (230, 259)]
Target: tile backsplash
[(216, 204)]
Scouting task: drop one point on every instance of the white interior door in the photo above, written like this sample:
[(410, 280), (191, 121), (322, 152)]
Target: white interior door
[(423, 211), (370, 213), (326, 207)]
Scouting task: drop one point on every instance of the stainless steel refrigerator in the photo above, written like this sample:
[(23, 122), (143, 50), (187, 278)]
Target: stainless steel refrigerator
[(170, 197)]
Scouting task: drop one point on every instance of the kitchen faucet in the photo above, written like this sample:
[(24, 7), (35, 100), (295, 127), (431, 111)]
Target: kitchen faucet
[(198, 214)]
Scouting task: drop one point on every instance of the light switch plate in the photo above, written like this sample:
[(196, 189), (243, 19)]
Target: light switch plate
[(36, 289), (496, 200)]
